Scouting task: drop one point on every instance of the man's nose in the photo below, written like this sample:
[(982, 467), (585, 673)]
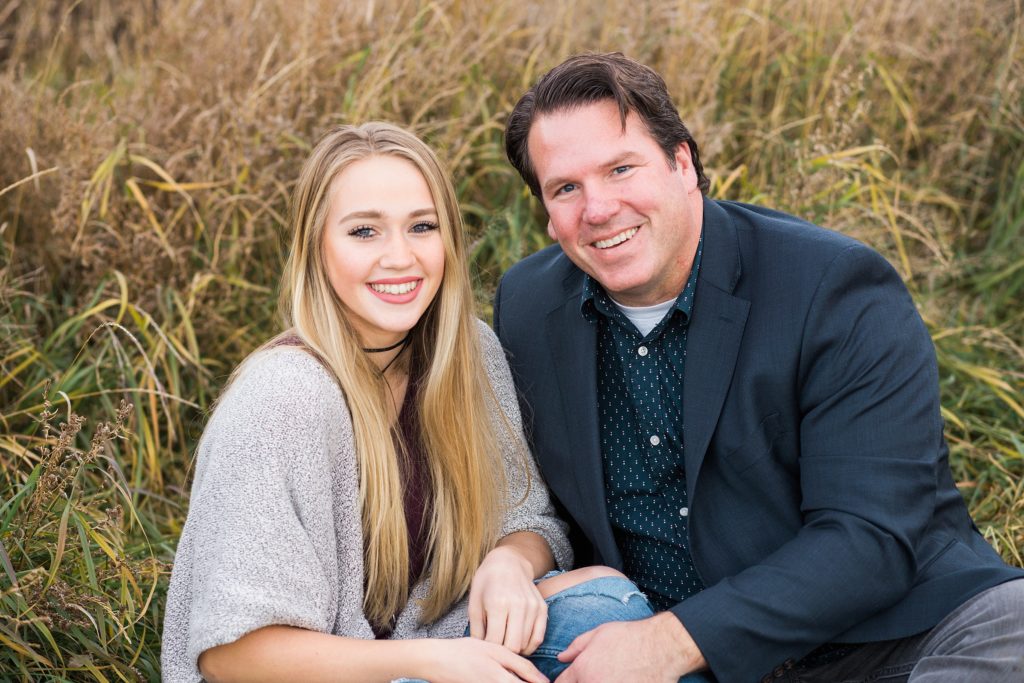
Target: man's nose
[(599, 208)]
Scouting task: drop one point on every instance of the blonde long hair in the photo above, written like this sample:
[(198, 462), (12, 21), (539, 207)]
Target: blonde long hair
[(458, 437)]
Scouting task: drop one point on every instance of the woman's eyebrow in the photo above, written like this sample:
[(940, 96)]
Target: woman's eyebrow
[(376, 213), (366, 213)]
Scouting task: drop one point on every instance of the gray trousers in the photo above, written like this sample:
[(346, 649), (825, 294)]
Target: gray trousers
[(981, 641)]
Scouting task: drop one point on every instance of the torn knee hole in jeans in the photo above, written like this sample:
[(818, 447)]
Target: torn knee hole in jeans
[(570, 594)]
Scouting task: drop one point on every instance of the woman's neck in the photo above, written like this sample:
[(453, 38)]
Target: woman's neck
[(385, 357)]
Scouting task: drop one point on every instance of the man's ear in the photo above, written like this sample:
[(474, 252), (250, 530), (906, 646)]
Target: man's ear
[(551, 231), (684, 164), (682, 156)]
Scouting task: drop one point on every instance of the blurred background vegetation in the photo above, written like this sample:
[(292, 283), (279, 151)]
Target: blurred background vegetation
[(147, 150)]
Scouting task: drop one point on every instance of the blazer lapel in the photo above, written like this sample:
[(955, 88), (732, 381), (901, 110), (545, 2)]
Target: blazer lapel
[(573, 344), (713, 338)]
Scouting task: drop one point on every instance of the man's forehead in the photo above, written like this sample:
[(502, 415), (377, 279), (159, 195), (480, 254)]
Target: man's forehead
[(606, 108), (593, 131)]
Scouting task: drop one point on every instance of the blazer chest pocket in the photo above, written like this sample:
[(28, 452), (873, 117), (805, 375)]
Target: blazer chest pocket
[(756, 444)]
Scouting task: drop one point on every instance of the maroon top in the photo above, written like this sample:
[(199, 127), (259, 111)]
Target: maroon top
[(415, 480), (415, 484)]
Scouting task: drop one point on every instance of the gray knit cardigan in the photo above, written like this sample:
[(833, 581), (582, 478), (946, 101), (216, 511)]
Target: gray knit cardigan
[(273, 533)]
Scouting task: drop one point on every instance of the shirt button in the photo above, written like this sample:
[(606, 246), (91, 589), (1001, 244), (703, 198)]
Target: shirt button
[(655, 439), (684, 512), (642, 351)]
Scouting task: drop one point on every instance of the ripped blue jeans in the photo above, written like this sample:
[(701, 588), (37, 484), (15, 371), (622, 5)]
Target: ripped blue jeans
[(586, 606), (583, 607)]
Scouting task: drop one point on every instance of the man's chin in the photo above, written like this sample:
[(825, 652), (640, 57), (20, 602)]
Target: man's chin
[(627, 293)]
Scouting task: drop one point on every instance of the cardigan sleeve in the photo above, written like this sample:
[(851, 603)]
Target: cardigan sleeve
[(529, 504), (259, 546)]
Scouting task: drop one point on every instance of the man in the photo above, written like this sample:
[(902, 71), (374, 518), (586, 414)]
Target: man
[(738, 409)]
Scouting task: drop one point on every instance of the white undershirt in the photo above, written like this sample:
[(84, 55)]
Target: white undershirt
[(645, 318)]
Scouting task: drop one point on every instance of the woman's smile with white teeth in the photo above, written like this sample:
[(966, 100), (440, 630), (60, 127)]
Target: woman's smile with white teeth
[(403, 288)]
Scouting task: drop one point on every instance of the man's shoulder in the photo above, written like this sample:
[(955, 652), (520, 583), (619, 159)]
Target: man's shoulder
[(761, 223), (547, 266), (530, 289)]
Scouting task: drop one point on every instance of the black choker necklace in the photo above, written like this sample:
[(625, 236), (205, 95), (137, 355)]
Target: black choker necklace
[(400, 342), (391, 362)]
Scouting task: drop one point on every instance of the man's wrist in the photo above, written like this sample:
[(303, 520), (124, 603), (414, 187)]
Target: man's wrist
[(689, 657)]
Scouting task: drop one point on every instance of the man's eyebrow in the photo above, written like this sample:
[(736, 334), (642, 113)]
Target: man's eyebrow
[(377, 213), (626, 156)]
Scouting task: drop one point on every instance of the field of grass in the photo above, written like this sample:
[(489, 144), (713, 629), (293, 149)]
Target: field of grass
[(147, 150)]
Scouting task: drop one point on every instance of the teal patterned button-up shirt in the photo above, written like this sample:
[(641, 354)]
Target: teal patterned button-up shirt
[(640, 403)]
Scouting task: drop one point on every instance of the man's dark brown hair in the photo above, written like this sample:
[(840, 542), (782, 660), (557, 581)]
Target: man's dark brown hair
[(589, 78)]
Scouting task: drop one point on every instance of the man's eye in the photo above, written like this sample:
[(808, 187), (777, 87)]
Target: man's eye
[(363, 232), (621, 169), (565, 189), (424, 226)]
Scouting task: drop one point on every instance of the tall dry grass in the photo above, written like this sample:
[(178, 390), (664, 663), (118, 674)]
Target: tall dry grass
[(147, 150)]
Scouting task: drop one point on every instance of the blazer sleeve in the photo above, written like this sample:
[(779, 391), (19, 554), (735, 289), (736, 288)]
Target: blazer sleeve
[(870, 439)]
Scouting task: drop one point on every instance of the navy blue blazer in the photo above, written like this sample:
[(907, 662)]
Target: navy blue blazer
[(822, 507)]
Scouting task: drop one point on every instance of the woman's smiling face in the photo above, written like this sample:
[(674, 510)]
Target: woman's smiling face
[(382, 247)]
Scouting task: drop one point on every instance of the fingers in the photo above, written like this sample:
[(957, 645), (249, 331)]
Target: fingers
[(539, 627), (577, 646), (483, 661), (521, 619), (522, 667), (496, 624), (476, 615), (519, 625), (514, 627), (510, 612)]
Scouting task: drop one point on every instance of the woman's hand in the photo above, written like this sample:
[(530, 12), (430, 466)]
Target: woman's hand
[(467, 660), (505, 606)]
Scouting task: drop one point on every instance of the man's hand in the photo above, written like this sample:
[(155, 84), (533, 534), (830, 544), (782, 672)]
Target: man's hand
[(505, 606), (655, 650)]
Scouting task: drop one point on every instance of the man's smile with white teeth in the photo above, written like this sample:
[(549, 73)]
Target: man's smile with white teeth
[(617, 239), (403, 288)]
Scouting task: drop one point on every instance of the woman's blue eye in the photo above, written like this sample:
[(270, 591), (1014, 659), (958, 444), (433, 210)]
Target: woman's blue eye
[(424, 226), (363, 232)]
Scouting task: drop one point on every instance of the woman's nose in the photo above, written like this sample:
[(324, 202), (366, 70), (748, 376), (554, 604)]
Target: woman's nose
[(398, 252)]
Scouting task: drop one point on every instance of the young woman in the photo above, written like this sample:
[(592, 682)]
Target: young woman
[(363, 491)]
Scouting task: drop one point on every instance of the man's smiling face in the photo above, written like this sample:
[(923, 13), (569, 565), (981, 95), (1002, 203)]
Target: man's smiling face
[(615, 204)]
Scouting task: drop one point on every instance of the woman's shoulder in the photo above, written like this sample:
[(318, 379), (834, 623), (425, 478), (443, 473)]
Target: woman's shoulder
[(490, 347), (285, 372), (283, 387), (282, 412), (496, 365)]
